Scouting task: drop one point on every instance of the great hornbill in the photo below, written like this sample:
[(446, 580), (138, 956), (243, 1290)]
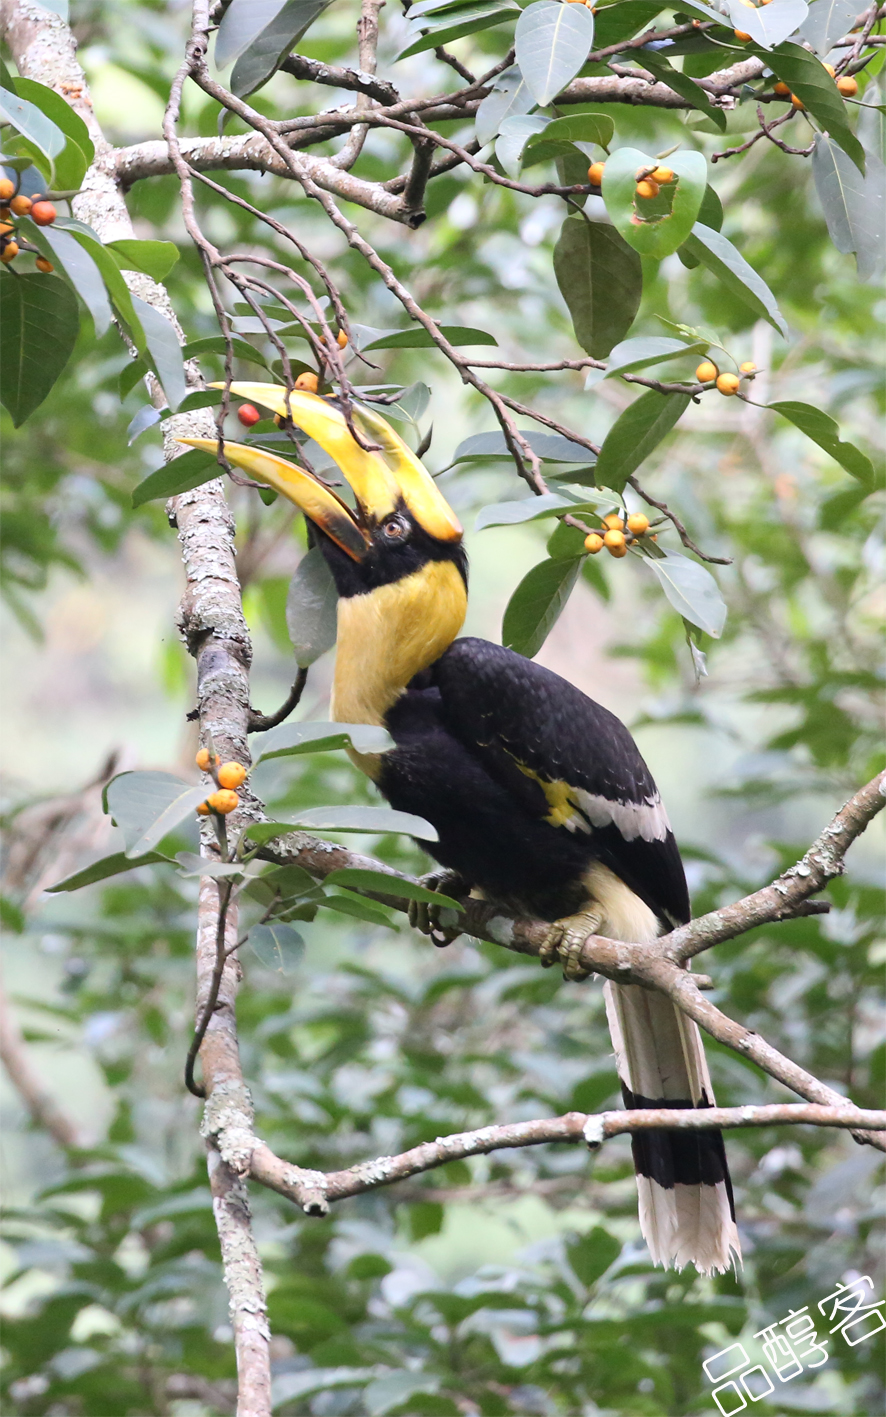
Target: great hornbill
[(539, 796)]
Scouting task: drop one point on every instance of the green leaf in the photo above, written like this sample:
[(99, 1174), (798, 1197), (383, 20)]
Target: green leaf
[(72, 163), (854, 206), (651, 226), (277, 946), (828, 21), (536, 605), (261, 832), (192, 864), (383, 884), (550, 447), (601, 280), (685, 86), (130, 375), (769, 26), (114, 282), (65, 250), (32, 123), (713, 250), (552, 43), (509, 98), (364, 819), (215, 344), (565, 543), (472, 20), (592, 1254), (634, 354), (182, 474), (692, 591), (311, 608), (635, 433), (420, 338), (623, 20), (153, 258), (241, 24), (514, 135), (164, 349), (580, 128), (146, 806), (807, 77), (359, 908), (826, 433), (40, 321), (258, 63), (296, 738), (108, 866), (528, 509)]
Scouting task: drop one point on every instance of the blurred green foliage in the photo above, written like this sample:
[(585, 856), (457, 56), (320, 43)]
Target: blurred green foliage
[(517, 1283)]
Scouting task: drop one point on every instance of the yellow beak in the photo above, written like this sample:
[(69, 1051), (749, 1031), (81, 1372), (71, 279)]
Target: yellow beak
[(381, 480), (319, 503)]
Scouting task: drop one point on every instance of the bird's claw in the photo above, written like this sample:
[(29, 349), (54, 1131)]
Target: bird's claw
[(565, 942), (437, 921)]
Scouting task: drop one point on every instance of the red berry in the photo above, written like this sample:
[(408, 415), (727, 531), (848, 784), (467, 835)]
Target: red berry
[(43, 213), (248, 414)]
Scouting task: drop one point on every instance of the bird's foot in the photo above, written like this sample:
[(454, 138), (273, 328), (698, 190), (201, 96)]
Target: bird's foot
[(439, 922), (565, 942)]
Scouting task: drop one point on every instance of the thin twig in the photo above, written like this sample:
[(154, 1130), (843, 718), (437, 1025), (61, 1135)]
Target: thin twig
[(261, 722)]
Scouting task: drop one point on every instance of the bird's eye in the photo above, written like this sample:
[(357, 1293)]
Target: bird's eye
[(396, 529)]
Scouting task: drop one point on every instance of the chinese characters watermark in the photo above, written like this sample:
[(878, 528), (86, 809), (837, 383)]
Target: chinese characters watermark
[(792, 1346)]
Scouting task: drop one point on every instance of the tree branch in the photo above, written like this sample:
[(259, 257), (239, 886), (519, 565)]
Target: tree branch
[(41, 1106)]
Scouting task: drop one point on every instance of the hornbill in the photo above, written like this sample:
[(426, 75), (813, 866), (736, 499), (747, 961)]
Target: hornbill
[(539, 796)]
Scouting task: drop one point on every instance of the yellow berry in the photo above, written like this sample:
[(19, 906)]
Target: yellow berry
[(706, 372), (595, 173), (231, 775), (797, 102), (613, 538), (204, 809), (9, 252), (224, 802), (638, 523), (618, 550), (728, 384), (848, 86), (308, 381), (21, 205), (740, 34), (613, 522), (203, 759), (831, 70), (662, 175), (7, 189), (341, 339), (593, 543), (749, 367), (647, 188)]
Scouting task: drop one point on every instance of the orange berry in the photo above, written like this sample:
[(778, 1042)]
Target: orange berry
[(848, 86), (638, 523), (595, 173), (308, 381), (831, 70), (7, 189), (231, 775), (618, 550), (782, 89), (341, 339), (5, 228), (203, 759), (223, 802), (612, 538), (647, 188), (613, 522), (9, 252), (740, 34), (248, 414), (749, 367), (706, 372), (728, 384), (593, 543), (663, 175), (43, 265), (20, 205), (43, 213), (204, 809), (797, 102)]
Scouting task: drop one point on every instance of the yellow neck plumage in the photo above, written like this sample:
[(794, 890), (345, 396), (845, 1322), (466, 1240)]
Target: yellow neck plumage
[(388, 635)]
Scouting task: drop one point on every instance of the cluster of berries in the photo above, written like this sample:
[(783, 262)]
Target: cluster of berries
[(616, 536), (847, 86), (728, 384), (227, 776), (13, 204), (307, 381), (649, 180)]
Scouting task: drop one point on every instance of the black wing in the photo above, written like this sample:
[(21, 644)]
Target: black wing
[(530, 726)]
